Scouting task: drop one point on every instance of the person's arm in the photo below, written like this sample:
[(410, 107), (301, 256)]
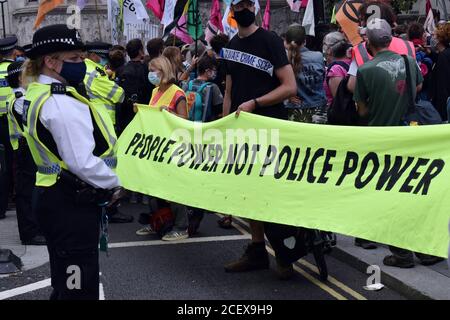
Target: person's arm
[(363, 111), (72, 129), (286, 89), (352, 71), (227, 97), (361, 96), (333, 84), (181, 109)]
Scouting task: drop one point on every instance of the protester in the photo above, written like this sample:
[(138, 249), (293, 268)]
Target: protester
[(71, 182), (211, 97), (310, 103), (176, 60), (250, 88), (338, 59), (440, 88), (19, 54), (133, 79), (155, 48), (217, 43), (117, 59)]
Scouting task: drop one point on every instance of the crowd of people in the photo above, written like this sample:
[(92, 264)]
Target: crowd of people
[(72, 148)]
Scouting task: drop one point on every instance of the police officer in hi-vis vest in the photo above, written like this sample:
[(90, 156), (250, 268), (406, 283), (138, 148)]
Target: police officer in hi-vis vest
[(7, 46), (25, 169), (101, 90), (73, 147)]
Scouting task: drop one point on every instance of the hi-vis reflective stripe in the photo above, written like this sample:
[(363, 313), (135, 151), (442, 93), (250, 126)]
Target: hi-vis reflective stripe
[(3, 98), (410, 53), (91, 79), (364, 54), (55, 168), (3, 110), (112, 92), (248, 59), (33, 119), (110, 108)]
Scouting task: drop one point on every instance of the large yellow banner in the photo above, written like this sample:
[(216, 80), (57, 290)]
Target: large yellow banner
[(385, 184)]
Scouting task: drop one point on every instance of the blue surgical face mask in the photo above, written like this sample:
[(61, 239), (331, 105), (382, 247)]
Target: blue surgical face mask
[(73, 72), (154, 78), (20, 59)]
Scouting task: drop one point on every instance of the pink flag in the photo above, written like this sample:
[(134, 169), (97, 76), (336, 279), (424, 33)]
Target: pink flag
[(428, 6), (215, 21), (304, 3), (266, 18), (180, 31), (157, 7)]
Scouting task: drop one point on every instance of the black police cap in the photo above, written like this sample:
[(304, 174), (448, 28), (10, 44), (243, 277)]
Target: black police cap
[(100, 48), (53, 39), (7, 44)]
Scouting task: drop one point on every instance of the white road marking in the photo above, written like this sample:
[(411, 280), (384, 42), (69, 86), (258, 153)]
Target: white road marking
[(188, 240), (101, 291), (24, 289)]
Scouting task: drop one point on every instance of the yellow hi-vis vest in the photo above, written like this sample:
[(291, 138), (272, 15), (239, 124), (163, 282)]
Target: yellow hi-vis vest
[(15, 131), (103, 92), (167, 99), (5, 89), (48, 164)]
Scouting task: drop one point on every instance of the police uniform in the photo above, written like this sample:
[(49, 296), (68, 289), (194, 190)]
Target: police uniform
[(73, 147), (25, 172), (103, 92), (7, 46)]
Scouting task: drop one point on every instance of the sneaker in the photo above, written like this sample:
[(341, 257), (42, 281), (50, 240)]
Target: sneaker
[(255, 257), (393, 261), (175, 235), (145, 231), (365, 244), (284, 271), (430, 261), (120, 217)]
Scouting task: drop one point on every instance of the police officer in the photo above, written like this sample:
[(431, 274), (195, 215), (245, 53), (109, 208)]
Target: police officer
[(7, 46), (101, 90), (25, 173), (73, 147)]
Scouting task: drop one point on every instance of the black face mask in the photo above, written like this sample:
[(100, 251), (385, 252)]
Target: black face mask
[(244, 18)]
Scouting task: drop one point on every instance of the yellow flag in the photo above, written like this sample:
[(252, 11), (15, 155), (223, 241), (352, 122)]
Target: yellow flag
[(45, 7)]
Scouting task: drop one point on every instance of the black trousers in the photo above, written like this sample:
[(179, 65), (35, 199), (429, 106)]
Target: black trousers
[(6, 180), (25, 181), (72, 233)]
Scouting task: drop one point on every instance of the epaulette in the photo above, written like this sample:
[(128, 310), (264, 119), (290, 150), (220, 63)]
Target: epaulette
[(101, 71), (58, 88), (18, 94)]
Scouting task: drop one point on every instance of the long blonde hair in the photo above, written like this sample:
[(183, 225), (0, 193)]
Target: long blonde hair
[(32, 68)]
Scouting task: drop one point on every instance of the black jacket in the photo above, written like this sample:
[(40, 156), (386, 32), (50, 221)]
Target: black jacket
[(440, 89)]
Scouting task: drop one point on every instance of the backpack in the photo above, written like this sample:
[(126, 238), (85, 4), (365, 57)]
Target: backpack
[(419, 112), (339, 63), (343, 110), (196, 110), (162, 221)]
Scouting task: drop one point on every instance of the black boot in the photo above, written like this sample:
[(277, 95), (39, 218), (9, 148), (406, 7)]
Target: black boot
[(254, 258)]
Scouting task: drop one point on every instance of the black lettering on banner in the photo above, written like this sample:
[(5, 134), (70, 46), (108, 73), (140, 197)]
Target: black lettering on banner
[(186, 156), (413, 175), (327, 167), (230, 159), (238, 170), (350, 165), (218, 156), (145, 149), (432, 172), (201, 158), (155, 158), (270, 156), (285, 151), (154, 145), (305, 163), (291, 175), (169, 143), (197, 157), (209, 158), (392, 174), (135, 140), (178, 152), (139, 145), (371, 156), (255, 150), (319, 153)]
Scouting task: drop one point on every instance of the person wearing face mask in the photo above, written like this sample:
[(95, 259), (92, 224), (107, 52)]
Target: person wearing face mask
[(103, 92), (258, 79), (73, 147), (7, 46), (19, 54), (211, 97)]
